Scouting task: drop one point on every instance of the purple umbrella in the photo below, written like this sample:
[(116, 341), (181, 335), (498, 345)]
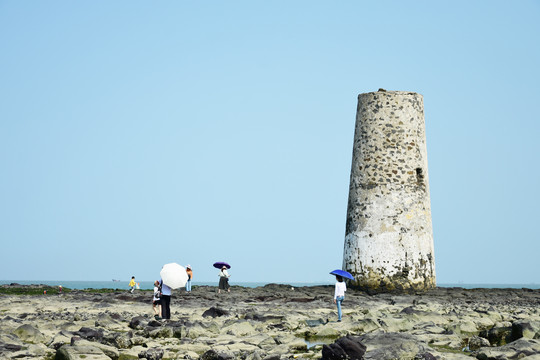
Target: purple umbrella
[(220, 264), (343, 274)]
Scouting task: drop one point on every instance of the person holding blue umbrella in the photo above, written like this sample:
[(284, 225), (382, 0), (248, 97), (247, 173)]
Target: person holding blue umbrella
[(341, 287)]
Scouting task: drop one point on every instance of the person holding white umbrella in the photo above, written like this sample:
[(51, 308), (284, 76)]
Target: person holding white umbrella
[(166, 293), (173, 276)]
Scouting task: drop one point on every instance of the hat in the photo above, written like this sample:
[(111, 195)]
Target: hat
[(188, 266)]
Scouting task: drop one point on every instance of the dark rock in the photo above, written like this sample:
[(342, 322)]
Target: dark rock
[(348, 347), (408, 310), (151, 354), (213, 355), (215, 312), (154, 323), (302, 300), (9, 347), (137, 323), (524, 329), (117, 317), (498, 336), (90, 334)]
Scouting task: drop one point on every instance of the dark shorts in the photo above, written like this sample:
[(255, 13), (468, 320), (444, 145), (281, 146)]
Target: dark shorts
[(156, 302)]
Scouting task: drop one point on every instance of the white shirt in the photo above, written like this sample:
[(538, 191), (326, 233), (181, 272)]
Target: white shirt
[(156, 292), (340, 289), (224, 273)]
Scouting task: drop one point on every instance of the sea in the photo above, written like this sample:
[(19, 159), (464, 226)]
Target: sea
[(149, 285)]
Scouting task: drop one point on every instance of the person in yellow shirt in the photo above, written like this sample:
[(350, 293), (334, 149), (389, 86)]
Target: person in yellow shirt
[(132, 284)]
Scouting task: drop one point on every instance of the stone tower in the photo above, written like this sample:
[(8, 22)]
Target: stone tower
[(389, 237)]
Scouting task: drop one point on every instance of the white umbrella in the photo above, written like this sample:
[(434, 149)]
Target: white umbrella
[(174, 275)]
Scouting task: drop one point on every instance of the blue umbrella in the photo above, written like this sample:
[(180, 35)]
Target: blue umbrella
[(343, 274), (220, 264)]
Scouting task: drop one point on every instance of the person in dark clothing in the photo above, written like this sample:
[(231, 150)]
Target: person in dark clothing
[(166, 293)]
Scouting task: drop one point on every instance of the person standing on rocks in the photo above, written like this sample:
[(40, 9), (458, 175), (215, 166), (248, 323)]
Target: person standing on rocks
[(339, 294), (190, 277), (224, 280), (132, 284), (156, 300), (166, 293)]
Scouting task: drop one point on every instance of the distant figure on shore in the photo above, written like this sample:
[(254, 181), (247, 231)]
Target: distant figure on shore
[(156, 300), (339, 294), (166, 293), (190, 277), (224, 280), (132, 284), (60, 289)]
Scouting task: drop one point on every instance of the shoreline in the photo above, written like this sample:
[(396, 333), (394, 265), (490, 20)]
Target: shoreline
[(148, 285)]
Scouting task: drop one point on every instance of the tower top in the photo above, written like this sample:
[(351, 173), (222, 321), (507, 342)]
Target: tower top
[(391, 92)]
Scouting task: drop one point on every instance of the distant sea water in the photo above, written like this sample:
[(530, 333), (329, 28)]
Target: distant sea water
[(148, 285)]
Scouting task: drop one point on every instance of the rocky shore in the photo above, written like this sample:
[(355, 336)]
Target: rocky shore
[(273, 322)]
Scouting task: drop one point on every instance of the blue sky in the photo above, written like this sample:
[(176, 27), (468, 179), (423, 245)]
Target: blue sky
[(133, 134)]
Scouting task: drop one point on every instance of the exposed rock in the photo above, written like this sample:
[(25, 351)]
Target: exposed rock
[(214, 355), (6, 348), (498, 336), (241, 328), (62, 338), (516, 350), (348, 347), (90, 334), (327, 332), (476, 342), (138, 323), (526, 329), (262, 323), (69, 352), (110, 351), (392, 346), (151, 354), (29, 334), (215, 312)]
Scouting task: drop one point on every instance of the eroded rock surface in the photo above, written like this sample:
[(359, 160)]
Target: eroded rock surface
[(274, 322)]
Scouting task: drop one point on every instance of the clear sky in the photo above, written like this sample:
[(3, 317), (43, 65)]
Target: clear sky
[(136, 133)]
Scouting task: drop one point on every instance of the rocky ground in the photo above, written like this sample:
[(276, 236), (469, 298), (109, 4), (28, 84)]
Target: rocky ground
[(274, 322)]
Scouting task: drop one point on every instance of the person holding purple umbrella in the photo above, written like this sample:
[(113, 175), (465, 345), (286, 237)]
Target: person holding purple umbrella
[(339, 294), (224, 280)]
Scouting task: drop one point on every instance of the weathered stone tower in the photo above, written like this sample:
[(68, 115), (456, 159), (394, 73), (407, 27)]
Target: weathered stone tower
[(389, 237)]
